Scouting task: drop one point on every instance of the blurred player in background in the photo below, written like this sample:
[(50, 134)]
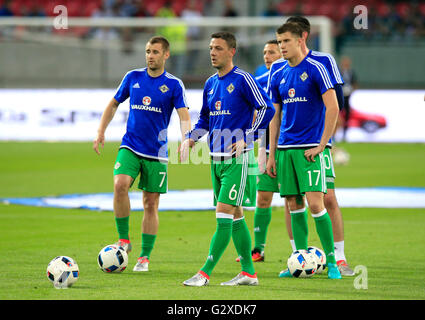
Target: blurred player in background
[(266, 185), (230, 98), (154, 94), (305, 119)]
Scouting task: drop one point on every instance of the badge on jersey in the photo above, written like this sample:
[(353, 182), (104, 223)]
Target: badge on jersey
[(230, 88), (163, 88), (218, 105), (304, 76), (147, 100)]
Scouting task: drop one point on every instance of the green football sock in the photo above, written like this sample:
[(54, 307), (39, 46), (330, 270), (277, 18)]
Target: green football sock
[(148, 240), (219, 243), (262, 218), (324, 230), (122, 225), (300, 228), (242, 242)]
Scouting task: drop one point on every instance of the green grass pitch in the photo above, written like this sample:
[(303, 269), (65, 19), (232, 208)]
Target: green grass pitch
[(388, 242)]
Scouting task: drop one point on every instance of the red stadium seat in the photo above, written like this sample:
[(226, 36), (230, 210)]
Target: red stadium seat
[(286, 7), (154, 6), (383, 9), (309, 8), (74, 9), (422, 8), (342, 10), (89, 9), (178, 6), (402, 8), (326, 9)]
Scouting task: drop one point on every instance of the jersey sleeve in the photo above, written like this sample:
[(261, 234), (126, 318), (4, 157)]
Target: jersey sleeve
[(179, 96), (123, 91), (333, 70), (259, 99), (320, 76), (273, 91)]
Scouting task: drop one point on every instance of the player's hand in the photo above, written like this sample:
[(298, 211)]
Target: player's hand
[(262, 159), (310, 154), (184, 149), (271, 167), (238, 146), (100, 140)]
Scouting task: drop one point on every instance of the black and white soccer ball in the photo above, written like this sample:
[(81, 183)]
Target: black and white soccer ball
[(112, 258), (320, 257), (302, 264), (63, 272)]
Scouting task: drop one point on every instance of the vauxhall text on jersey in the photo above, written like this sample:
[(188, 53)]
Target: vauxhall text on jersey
[(152, 101)]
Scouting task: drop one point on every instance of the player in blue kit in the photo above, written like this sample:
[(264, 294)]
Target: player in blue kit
[(154, 94), (330, 199), (230, 98), (307, 110)]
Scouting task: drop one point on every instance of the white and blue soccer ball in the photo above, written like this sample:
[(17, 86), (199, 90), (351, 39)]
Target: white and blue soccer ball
[(302, 264), (112, 258), (320, 257), (62, 272)]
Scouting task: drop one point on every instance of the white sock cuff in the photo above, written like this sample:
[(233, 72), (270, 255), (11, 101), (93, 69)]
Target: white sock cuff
[(297, 211), (321, 213), (223, 215), (243, 217)]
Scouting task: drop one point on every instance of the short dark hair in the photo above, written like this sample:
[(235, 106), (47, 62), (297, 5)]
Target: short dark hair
[(273, 41), (226, 36), (302, 21), (291, 27), (163, 41)]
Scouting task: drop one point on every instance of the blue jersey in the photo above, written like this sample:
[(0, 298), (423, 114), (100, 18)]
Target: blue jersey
[(330, 64), (299, 91), (152, 101), (228, 109), (262, 79)]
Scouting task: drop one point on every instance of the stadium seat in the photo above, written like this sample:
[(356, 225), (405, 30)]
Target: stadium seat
[(383, 9), (89, 8), (341, 11), (309, 8), (153, 6), (178, 6), (74, 9), (17, 6), (422, 8), (326, 9), (402, 9), (286, 7)]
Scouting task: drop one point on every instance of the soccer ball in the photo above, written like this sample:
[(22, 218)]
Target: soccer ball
[(320, 257), (341, 157), (301, 264), (63, 272), (112, 258)]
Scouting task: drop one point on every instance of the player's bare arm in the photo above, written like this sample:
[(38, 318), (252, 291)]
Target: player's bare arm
[(274, 128), (185, 126), (331, 116), (106, 118)]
